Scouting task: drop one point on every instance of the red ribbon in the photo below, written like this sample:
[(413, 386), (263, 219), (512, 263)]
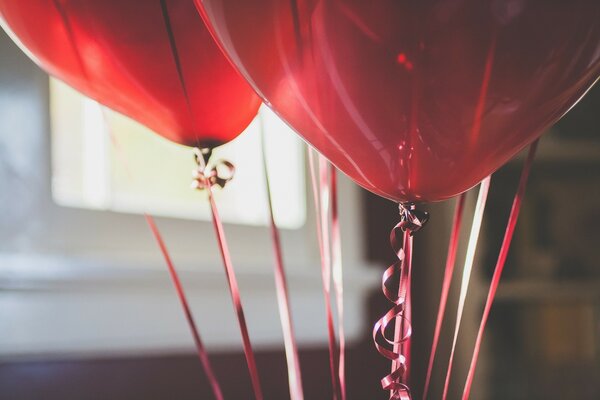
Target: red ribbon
[(283, 301), (205, 179), (200, 349), (475, 131), (449, 270), (338, 285), (466, 276), (321, 198), (392, 382), (395, 381), (329, 237), (405, 347), (508, 235)]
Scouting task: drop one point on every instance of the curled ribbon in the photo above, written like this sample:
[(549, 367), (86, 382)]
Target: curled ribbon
[(219, 173), (411, 221)]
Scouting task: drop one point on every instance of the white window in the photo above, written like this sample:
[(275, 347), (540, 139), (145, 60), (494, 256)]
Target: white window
[(142, 172)]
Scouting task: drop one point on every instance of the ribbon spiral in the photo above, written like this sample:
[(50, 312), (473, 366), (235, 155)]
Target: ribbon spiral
[(411, 221)]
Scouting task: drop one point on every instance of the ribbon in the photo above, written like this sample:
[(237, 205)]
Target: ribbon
[(321, 198), (338, 284), (206, 176), (329, 237), (412, 220), (467, 269), (173, 274), (508, 235), (200, 349), (472, 246), (449, 270), (405, 347), (283, 301)]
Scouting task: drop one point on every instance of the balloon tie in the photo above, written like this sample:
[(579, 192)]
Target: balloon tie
[(218, 173), (205, 177), (412, 220)]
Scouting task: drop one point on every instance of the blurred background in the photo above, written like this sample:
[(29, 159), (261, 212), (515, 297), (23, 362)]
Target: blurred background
[(87, 310)]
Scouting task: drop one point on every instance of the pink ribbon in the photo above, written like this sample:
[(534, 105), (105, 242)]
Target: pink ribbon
[(321, 198), (449, 270), (206, 177), (283, 301), (395, 381), (200, 349), (405, 347), (338, 285), (466, 276), (475, 132), (508, 235), (329, 237)]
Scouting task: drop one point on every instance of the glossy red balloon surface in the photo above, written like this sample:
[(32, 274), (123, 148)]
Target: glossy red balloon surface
[(154, 61), (416, 100)]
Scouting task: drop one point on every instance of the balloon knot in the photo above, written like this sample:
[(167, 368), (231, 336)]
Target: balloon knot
[(206, 175), (412, 220)]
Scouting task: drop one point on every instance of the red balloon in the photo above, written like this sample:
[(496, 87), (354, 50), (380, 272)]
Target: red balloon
[(415, 100), (154, 61)]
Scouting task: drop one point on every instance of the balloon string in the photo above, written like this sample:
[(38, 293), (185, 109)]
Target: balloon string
[(403, 346), (174, 275), (392, 381), (472, 246), (201, 350), (407, 345), (449, 271), (508, 235), (321, 199), (467, 269), (283, 301), (207, 184), (338, 283), (412, 220)]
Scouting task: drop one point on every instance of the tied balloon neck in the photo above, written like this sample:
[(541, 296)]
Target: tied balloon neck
[(207, 173), (411, 219)]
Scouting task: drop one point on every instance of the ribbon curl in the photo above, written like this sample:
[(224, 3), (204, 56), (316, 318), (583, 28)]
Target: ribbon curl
[(412, 220), (205, 175)]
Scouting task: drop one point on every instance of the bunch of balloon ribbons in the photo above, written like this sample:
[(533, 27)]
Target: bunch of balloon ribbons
[(416, 101)]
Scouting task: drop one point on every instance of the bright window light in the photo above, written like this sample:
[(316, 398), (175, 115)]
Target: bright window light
[(137, 171)]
